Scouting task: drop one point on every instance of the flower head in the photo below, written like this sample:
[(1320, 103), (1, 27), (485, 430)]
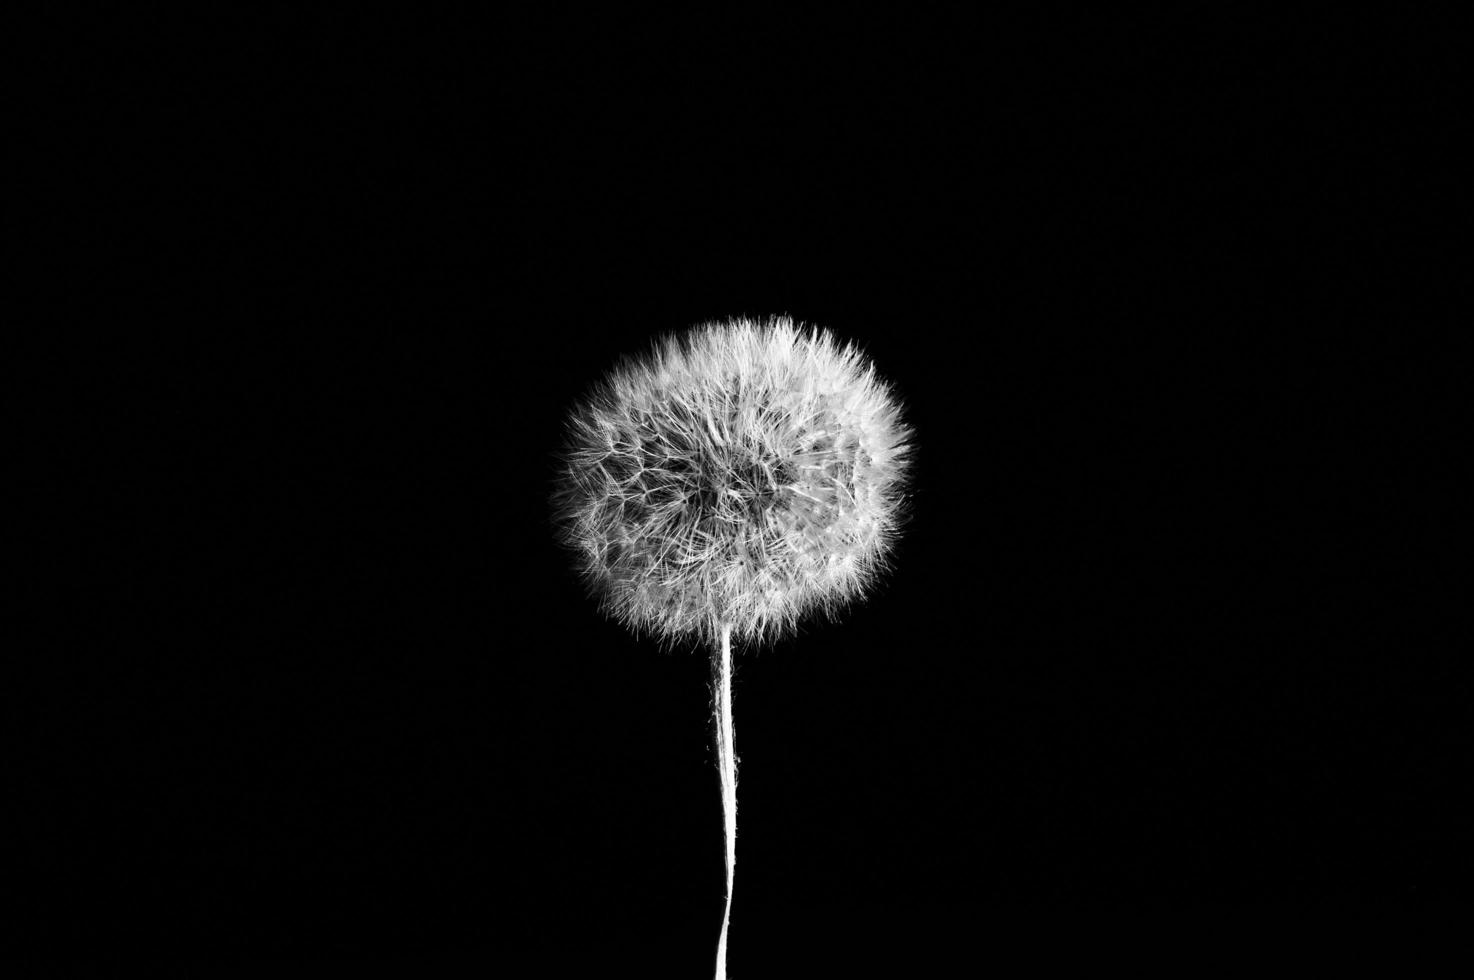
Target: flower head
[(742, 475)]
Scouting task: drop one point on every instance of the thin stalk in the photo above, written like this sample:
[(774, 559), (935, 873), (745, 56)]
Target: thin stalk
[(727, 764)]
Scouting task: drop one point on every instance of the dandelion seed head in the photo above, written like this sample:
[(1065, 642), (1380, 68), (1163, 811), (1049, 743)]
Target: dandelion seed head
[(746, 473)]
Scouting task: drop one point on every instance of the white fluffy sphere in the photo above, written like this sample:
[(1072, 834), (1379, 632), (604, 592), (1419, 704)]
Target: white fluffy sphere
[(741, 475)]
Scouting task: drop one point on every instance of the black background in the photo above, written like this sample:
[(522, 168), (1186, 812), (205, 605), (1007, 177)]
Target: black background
[(1160, 629)]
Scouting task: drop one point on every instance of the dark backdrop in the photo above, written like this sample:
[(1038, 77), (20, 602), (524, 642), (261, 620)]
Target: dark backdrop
[(1159, 629)]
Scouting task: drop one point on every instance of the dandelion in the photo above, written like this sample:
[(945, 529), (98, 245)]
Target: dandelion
[(738, 479)]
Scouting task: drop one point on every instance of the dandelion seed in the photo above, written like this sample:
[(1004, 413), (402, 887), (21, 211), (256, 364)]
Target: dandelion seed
[(739, 478)]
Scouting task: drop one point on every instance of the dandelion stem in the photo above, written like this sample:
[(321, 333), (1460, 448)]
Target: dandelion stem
[(727, 764)]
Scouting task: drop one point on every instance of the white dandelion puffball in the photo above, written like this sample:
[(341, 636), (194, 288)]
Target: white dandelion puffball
[(739, 477)]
